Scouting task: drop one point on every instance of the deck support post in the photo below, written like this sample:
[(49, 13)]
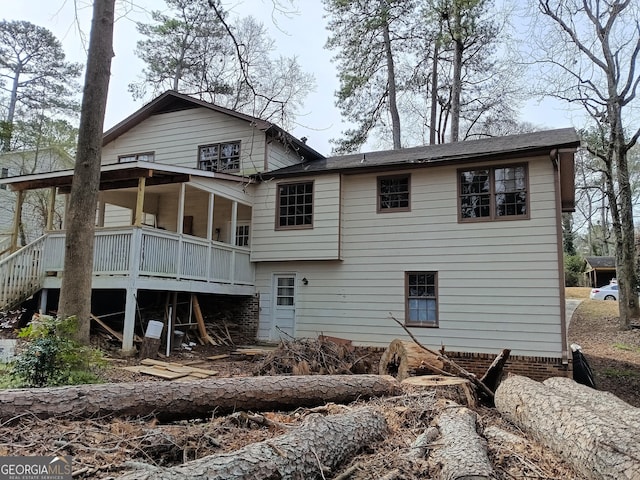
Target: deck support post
[(44, 294), (101, 210), (137, 221), (129, 319)]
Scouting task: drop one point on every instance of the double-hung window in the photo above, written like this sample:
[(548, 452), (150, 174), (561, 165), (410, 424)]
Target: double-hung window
[(421, 299), (294, 205), (219, 157), (493, 193), (394, 193)]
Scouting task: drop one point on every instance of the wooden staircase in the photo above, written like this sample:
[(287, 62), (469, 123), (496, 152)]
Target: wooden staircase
[(22, 274)]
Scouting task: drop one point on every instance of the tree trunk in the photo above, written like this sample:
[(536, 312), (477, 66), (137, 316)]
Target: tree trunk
[(406, 359), (193, 399), (391, 79), (434, 91), (602, 403), (461, 454), (456, 89), (595, 443), (319, 443), (452, 388), (75, 292)]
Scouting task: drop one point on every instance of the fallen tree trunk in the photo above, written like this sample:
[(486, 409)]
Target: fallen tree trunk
[(406, 359), (452, 388), (175, 400), (595, 443), (309, 451), (461, 454), (599, 401)]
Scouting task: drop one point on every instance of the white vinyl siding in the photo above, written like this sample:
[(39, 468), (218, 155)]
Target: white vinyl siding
[(175, 137), (497, 281), (281, 156), (318, 243)]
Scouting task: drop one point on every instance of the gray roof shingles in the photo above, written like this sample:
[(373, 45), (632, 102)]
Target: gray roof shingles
[(458, 152)]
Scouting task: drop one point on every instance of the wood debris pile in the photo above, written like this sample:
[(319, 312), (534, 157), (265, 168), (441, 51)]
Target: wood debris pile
[(308, 356)]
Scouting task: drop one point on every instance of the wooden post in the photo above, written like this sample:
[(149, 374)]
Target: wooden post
[(17, 219), (52, 208), (139, 203)]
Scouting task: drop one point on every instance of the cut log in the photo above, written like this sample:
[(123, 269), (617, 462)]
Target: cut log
[(149, 347), (595, 443), (196, 399), (406, 359), (453, 388), (602, 402), (461, 454), (310, 451)]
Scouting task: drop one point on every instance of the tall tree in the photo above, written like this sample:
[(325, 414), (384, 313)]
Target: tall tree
[(366, 35), (32, 63), (194, 49), (592, 50), (75, 292)]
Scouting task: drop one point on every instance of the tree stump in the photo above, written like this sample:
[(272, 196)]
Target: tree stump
[(406, 359), (149, 347), (457, 389)]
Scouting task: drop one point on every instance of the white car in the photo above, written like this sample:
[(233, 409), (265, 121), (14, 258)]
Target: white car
[(608, 292)]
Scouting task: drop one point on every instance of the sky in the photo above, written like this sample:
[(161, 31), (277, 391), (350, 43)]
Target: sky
[(302, 34)]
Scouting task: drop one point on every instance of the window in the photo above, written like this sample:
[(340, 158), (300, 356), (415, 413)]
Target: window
[(242, 235), (497, 193), (394, 193), (295, 205), (219, 157), (422, 299), (137, 157), (286, 290), (4, 173)]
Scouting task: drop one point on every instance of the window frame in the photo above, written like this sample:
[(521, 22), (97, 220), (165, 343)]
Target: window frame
[(407, 298), (278, 225), (136, 157), (379, 193), (219, 159), (4, 173), (492, 194)]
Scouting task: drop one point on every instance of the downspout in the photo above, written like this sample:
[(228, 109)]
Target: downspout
[(561, 287)]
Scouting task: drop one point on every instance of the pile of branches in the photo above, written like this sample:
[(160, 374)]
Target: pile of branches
[(306, 356)]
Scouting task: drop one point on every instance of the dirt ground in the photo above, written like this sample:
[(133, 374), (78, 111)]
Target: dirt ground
[(103, 448)]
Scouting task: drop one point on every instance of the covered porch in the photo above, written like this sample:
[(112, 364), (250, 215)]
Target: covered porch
[(157, 228)]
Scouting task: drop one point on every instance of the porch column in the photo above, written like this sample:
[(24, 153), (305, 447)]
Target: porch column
[(234, 224), (140, 202), (210, 234), (66, 211), (44, 293), (17, 218), (52, 208), (181, 208)]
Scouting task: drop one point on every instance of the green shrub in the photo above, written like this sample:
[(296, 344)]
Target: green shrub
[(52, 357), (573, 270)]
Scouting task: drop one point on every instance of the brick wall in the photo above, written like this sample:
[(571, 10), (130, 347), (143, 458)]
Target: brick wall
[(537, 368), (238, 313)]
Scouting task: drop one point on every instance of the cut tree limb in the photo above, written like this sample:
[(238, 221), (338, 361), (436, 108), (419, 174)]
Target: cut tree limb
[(461, 454), (404, 359), (595, 443), (198, 398), (317, 446)]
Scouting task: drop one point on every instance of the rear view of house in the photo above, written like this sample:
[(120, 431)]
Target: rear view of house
[(460, 242)]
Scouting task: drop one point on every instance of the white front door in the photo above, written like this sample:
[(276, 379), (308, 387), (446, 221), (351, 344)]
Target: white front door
[(284, 306)]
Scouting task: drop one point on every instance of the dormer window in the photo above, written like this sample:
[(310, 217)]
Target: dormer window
[(219, 157), (137, 157)]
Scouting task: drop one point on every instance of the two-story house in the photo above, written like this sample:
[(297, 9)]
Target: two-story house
[(461, 242)]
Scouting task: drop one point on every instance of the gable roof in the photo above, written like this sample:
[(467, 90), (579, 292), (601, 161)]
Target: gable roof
[(600, 263), (494, 148), (172, 101)]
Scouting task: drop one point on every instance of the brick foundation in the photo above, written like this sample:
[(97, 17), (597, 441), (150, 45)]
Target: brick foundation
[(239, 313), (537, 368)]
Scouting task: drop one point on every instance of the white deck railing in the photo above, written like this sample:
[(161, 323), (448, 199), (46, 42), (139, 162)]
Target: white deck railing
[(21, 274), (147, 252)]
